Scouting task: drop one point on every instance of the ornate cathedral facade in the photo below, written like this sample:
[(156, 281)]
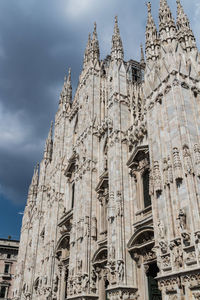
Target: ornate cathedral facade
[(113, 208)]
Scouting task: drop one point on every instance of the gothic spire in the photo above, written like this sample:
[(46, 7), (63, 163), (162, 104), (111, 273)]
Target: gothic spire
[(117, 51), (184, 31), (49, 144), (66, 94), (152, 40), (87, 51), (167, 27), (34, 183), (142, 59), (95, 44), (35, 177)]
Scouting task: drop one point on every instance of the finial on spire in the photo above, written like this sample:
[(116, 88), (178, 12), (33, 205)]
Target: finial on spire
[(117, 51), (95, 44), (184, 32), (148, 4), (69, 74), (95, 26), (87, 51), (49, 144), (167, 25)]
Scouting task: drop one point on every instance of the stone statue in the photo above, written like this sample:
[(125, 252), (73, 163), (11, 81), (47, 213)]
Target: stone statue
[(182, 219), (163, 247), (161, 229), (94, 279), (85, 282), (48, 293), (120, 270)]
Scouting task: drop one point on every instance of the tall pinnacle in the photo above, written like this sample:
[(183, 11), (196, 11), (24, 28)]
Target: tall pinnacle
[(142, 60), (66, 94), (33, 188), (167, 25), (35, 177), (95, 44), (184, 31), (49, 144), (117, 51), (152, 40), (87, 51)]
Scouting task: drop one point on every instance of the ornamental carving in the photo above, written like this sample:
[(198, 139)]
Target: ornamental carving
[(181, 220), (167, 171), (185, 85), (141, 246), (177, 253), (177, 164), (94, 228), (163, 246), (93, 281), (167, 89), (120, 270), (186, 238), (157, 177), (197, 242), (197, 159), (187, 160), (161, 229)]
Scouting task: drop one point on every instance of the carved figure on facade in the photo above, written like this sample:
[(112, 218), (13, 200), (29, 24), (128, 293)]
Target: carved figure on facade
[(186, 238), (161, 229), (177, 164), (48, 293), (157, 177), (177, 253), (119, 204), (86, 227), (182, 220), (85, 282), (120, 270), (111, 252), (187, 160), (197, 158), (79, 266), (94, 228), (93, 280), (197, 242), (55, 286), (163, 247)]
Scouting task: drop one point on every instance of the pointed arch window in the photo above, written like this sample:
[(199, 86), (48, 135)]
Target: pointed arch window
[(140, 171), (145, 183), (70, 173)]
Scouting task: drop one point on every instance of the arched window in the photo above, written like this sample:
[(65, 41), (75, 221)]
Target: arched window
[(2, 291), (145, 181), (73, 194)]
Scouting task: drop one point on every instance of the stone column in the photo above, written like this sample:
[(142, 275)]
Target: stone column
[(63, 282)]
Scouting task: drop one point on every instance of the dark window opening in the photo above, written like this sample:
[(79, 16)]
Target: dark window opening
[(6, 269), (73, 194), (147, 198), (8, 255), (66, 280), (153, 291), (2, 292)]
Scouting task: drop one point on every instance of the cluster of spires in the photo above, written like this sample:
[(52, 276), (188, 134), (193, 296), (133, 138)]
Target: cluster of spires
[(92, 52), (168, 30)]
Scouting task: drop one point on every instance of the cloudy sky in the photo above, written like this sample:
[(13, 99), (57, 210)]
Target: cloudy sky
[(39, 41)]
